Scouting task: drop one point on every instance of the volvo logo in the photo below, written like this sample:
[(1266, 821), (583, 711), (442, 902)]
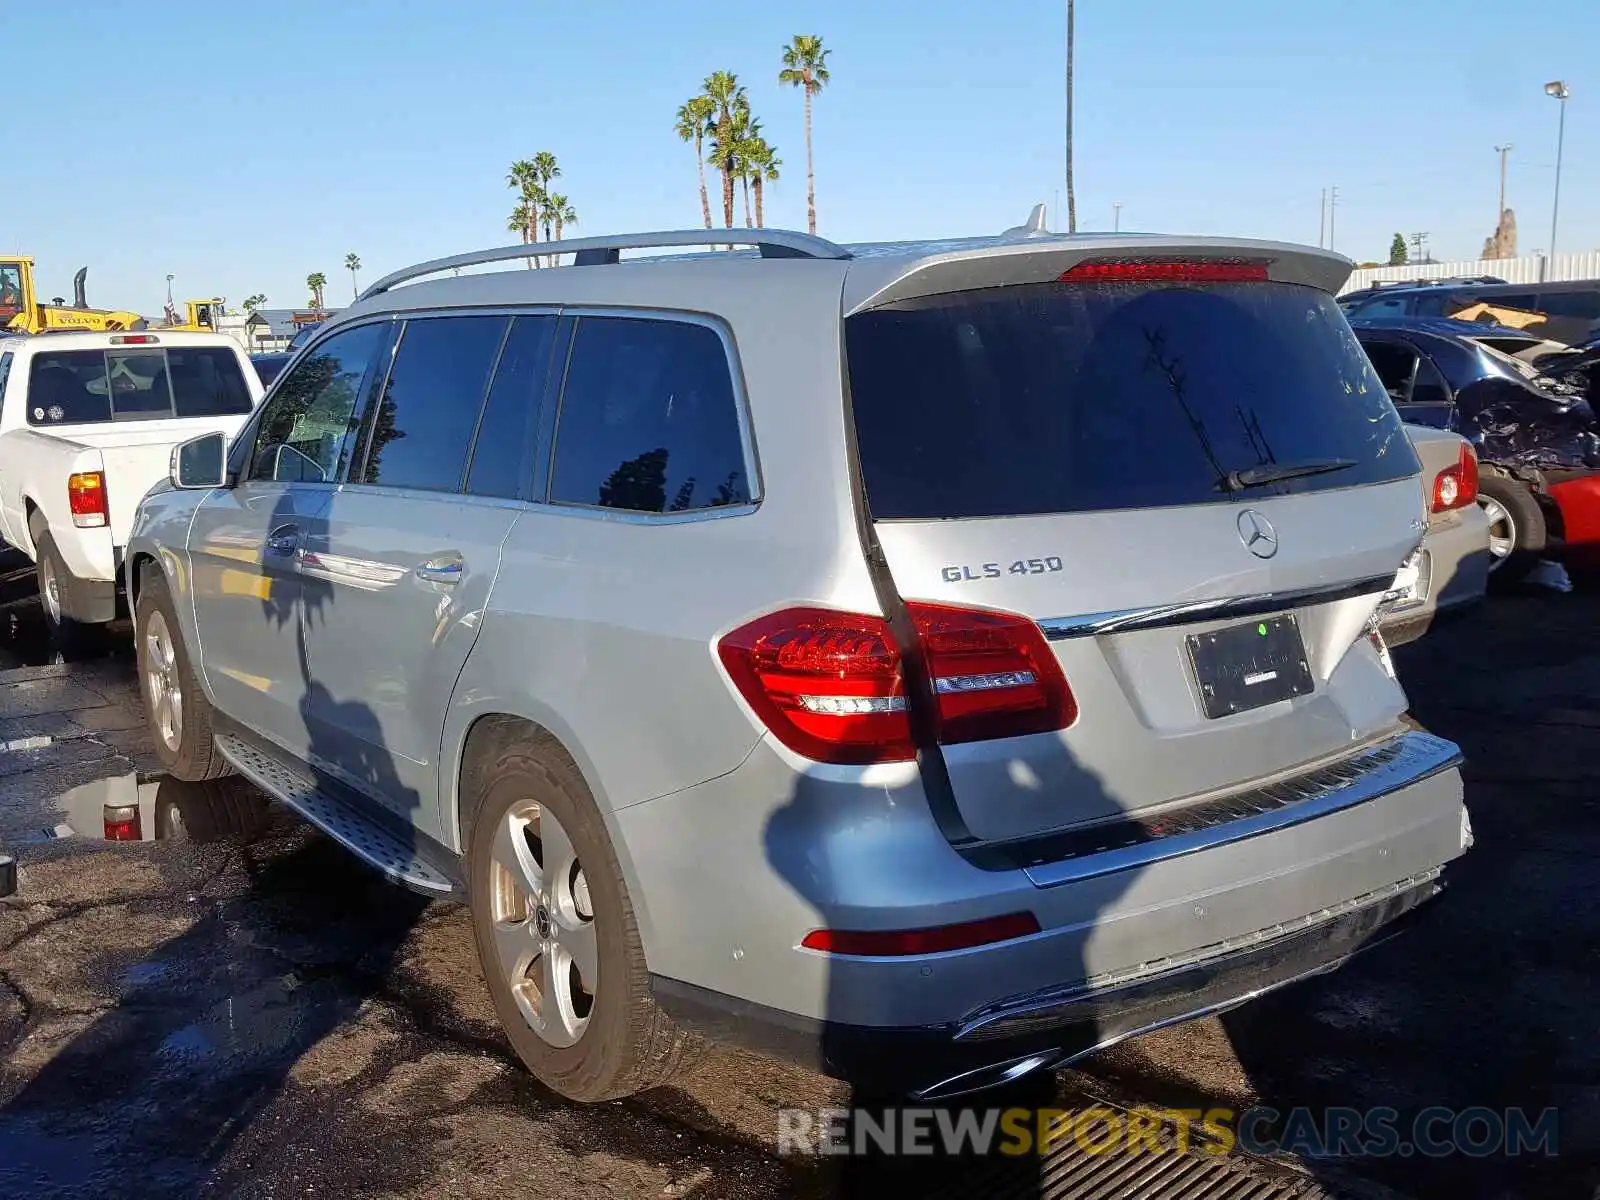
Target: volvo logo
[(1257, 534)]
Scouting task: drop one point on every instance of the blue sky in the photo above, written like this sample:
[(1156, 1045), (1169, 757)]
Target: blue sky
[(240, 147)]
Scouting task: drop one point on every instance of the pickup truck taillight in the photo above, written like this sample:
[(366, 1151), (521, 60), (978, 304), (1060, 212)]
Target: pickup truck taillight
[(1457, 486), (86, 496)]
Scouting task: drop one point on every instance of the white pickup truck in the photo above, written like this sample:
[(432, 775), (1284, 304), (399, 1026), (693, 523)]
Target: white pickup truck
[(87, 426)]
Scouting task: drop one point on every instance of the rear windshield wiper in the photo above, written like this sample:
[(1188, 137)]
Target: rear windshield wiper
[(1249, 477)]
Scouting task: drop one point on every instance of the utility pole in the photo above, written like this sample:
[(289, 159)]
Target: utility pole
[(1116, 217), (1500, 212), (1322, 218), (1072, 197), (1419, 243), (1333, 203)]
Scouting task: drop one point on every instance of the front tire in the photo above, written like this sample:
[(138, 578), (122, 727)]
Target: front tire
[(555, 930), (177, 713)]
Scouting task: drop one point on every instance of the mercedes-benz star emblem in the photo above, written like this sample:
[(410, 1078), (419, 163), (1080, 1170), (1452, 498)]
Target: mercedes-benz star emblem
[(1257, 534)]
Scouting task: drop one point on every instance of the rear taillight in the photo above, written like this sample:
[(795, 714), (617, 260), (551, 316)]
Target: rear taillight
[(1457, 486), (86, 497), (122, 823), (1179, 270), (938, 940), (831, 685)]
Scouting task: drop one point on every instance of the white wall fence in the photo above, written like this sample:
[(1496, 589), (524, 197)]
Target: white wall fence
[(1532, 269)]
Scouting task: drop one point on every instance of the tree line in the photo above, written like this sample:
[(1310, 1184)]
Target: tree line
[(720, 123)]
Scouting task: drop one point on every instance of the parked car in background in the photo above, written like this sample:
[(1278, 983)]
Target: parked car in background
[(1349, 301), (1535, 435), (269, 365), (303, 335), (87, 425), (1450, 569), (975, 607), (1566, 313)]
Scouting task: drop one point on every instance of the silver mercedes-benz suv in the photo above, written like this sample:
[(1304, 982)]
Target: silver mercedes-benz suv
[(928, 661)]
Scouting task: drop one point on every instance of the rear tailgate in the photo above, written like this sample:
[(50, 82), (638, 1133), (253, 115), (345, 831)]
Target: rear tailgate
[(1105, 456)]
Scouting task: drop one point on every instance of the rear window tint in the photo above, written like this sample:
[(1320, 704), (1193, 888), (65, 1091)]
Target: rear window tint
[(1050, 398), (74, 387)]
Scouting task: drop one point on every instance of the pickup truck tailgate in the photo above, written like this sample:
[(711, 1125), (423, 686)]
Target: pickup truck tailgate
[(135, 460)]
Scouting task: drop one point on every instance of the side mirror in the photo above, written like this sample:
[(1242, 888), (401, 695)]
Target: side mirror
[(200, 462)]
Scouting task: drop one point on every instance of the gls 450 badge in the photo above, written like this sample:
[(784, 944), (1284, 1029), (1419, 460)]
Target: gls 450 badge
[(994, 570)]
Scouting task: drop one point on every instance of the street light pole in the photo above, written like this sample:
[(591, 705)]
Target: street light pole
[(1502, 151), (1116, 217), (1557, 90)]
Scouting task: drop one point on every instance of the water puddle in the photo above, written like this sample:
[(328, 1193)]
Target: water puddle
[(150, 807)]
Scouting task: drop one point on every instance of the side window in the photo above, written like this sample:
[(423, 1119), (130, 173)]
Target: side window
[(1394, 364), (1429, 386), (305, 427), (422, 426), (502, 459), (1582, 306), (1386, 306), (5, 374), (1431, 305), (648, 420)]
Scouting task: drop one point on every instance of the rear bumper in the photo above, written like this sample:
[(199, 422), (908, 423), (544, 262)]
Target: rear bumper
[(1456, 568), (1055, 1026), (92, 601), (1198, 908)]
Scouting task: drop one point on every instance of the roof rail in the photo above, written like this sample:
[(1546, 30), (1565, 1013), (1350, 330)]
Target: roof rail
[(599, 251)]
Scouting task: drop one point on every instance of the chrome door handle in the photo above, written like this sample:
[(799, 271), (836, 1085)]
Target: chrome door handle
[(446, 569), (285, 539)]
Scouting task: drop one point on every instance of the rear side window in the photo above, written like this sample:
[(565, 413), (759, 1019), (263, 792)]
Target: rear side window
[(1051, 398), (422, 429), (648, 419), (5, 374), (502, 458), (68, 387)]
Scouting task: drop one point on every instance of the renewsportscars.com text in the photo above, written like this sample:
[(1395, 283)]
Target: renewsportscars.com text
[(1310, 1133)]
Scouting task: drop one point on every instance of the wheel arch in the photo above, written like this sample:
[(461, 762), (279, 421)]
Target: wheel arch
[(472, 733)]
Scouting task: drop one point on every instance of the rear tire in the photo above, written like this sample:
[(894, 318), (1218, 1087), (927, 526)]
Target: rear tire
[(1517, 534), (72, 638), (177, 713), (604, 1037)]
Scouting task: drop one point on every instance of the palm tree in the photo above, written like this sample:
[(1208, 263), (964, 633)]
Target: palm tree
[(251, 303), (523, 178), (544, 164), (727, 97), (1072, 195), (520, 220), (693, 117), (762, 163), (352, 263), (316, 281), (744, 132), (805, 65), (563, 212)]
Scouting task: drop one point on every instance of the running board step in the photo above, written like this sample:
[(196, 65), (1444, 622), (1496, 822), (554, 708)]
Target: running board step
[(385, 850)]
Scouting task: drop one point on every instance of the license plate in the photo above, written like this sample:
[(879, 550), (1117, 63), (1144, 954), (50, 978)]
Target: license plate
[(1250, 665)]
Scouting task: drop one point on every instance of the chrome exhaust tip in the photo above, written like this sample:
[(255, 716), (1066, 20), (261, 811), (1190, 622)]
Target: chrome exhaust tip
[(986, 1077)]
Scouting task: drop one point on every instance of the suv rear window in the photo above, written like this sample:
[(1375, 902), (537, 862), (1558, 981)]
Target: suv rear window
[(1049, 398), (75, 387)]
